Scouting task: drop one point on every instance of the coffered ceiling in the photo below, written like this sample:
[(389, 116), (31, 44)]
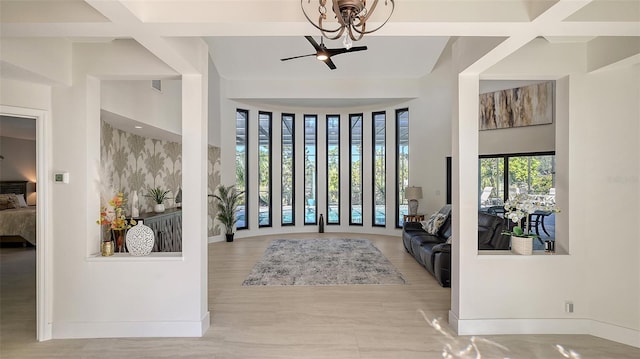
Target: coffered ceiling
[(247, 38)]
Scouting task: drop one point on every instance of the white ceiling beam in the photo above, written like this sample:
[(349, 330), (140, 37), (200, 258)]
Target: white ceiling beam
[(121, 16), (115, 30), (552, 16)]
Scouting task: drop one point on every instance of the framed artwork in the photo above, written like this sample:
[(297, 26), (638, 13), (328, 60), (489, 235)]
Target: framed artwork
[(517, 107)]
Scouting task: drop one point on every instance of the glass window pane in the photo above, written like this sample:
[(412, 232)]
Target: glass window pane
[(531, 175), (355, 169), (379, 169), (264, 169), (402, 164), (333, 169), (310, 169), (491, 191), (242, 154), (288, 169)]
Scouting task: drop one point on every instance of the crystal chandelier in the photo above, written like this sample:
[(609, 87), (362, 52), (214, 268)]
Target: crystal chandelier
[(350, 18)]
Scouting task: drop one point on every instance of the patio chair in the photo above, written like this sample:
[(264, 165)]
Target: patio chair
[(484, 197)]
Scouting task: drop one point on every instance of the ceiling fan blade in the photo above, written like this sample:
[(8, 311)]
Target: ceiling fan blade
[(330, 63), (313, 42), (333, 52), (296, 57)]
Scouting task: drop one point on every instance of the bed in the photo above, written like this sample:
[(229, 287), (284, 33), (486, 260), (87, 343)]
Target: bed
[(18, 221)]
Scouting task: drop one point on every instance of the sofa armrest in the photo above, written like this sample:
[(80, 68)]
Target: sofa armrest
[(441, 248)]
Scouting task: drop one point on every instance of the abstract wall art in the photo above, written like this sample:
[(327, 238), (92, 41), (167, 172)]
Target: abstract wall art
[(517, 107)]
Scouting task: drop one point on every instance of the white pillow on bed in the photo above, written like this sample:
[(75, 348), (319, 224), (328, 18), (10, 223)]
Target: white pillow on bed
[(20, 200)]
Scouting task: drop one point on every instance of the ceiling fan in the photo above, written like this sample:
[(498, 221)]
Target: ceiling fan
[(323, 54)]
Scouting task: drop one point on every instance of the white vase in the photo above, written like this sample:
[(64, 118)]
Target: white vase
[(522, 245), (140, 239), (158, 208)]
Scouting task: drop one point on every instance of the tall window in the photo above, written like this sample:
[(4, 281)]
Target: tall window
[(288, 169), (355, 169), (264, 169), (242, 158), (379, 168), (402, 164), (333, 169), (310, 169)]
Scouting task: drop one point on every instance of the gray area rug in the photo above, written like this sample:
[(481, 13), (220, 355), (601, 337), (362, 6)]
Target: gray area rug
[(323, 262)]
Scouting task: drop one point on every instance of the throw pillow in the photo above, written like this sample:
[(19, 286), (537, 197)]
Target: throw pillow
[(19, 198), (434, 223), (8, 201)]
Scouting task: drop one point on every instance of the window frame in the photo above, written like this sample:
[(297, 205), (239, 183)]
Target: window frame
[(315, 168), (327, 117), (246, 165), (270, 167), (400, 191), (373, 165), (293, 167), (351, 174)]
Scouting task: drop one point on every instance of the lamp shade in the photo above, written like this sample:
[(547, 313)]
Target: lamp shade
[(413, 192)]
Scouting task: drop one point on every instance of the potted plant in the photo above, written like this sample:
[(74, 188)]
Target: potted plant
[(227, 201), (158, 195), (519, 210)]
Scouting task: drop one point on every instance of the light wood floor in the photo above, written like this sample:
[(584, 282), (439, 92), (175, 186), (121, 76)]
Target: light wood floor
[(366, 321)]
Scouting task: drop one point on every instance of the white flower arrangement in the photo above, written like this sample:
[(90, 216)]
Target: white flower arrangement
[(523, 206)]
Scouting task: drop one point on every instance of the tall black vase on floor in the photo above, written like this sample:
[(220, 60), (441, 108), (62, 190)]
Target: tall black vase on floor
[(229, 237), (321, 222)]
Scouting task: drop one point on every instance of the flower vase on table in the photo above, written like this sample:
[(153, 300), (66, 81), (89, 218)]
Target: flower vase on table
[(113, 217), (519, 210)]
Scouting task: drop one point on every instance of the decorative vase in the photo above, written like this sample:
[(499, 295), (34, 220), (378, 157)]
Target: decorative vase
[(106, 248), (522, 245), (140, 240), (158, 208), (229, 237), (118, 240)]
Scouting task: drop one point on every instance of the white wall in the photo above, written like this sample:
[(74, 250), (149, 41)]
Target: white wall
[(136, 99), (44, 61), (215, 112), (598, 167), (605, 174)]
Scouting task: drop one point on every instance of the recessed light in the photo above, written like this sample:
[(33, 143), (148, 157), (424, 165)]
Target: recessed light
[(138, 127)]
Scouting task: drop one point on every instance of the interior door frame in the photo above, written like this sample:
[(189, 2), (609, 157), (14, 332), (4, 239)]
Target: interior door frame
[(44, 260)]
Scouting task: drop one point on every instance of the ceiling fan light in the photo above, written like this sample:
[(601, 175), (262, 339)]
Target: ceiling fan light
[(322, 56)]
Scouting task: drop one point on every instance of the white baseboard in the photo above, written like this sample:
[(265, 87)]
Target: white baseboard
[(216, 239), (617, 334), (544, 326), (78, 330)]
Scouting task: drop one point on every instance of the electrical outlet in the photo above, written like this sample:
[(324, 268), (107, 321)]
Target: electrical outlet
[(568, 306)]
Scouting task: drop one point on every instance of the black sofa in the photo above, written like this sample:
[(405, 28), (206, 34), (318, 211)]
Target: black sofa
[(434, 253)]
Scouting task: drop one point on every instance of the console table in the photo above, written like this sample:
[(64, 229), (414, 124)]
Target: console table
[(167, 227), (412, 217)]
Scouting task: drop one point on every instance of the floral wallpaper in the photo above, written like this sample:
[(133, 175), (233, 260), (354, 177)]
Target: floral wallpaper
[(136, 163)]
